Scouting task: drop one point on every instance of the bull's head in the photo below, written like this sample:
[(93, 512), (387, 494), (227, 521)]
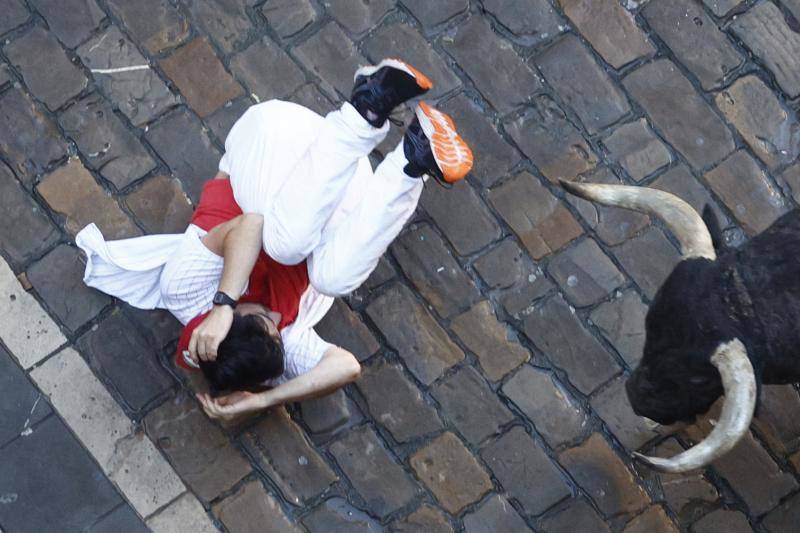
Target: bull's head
[(658, 389)]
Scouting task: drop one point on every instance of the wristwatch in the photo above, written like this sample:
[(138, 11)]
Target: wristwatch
[(223, 299)]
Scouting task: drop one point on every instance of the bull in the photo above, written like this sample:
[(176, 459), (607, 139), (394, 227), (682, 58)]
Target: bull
[(718, 325)]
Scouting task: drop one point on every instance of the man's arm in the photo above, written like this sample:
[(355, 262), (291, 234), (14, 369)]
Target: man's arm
[(337, 368), (238, 241)]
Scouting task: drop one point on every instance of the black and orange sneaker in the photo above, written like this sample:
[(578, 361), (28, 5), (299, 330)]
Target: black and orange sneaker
[(380, 88), (432, 146)]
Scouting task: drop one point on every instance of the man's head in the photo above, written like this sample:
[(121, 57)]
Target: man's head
[(251, 353)]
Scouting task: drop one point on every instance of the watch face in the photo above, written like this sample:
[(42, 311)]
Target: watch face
[(223, 299)]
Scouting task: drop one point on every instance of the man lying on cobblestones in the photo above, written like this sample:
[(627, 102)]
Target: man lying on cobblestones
[(295, 217)]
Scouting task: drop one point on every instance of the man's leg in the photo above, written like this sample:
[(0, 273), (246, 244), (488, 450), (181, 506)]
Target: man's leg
[(430, 146)]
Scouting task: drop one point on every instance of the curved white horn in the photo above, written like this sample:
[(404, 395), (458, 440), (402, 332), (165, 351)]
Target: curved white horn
[(739, 382), (684, 222)]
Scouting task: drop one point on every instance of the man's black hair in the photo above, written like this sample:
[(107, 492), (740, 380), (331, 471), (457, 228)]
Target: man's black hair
[(248, 356)]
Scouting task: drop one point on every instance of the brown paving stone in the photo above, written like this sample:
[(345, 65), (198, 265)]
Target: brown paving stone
[(776, 419), (282, 451), (226, 21), (764, 30), (338, 516), (680, 182), (525, 471), (289, 17), (552, 143), (437, 276), (70, 20), (358, 16), (722, 521), (105, 142), (555, 415), (694, 39), (433, 13), (685, 119), (531, 21), (267, 70), (504, 265), (721, 7), (604, 477), (396, 403), (474, 41), (648, 259), (470, 405), (462, 216), (332, 56), (374, 473), (584, 273), (160, 205), (46, 70), (578, 517), (14, 14), (637, 149), (426, 518), (139, 94), (451, 472), (156, 24), (497, 347), (570, 69), (771, 131), (555, 329), (70, 188), (200, 453), (612, 405), (653, 519), (344, 328), (252, 510), (496, 514), (411, 330), (747, 192), (610, 29), (621, 322), (784, 519), (201, 77), (540, 221)]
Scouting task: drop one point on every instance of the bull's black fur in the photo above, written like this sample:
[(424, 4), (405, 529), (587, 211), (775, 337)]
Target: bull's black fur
[(751, 293)]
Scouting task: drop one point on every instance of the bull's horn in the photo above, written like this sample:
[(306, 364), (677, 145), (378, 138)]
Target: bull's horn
[(684, 222), (739, 382)]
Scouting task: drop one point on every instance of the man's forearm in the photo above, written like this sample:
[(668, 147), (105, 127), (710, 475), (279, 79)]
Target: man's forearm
[(240, 248)]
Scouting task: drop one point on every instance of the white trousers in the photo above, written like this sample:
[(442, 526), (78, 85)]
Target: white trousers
[(311, 180)]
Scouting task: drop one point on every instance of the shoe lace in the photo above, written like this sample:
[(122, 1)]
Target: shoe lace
[(395, 120)]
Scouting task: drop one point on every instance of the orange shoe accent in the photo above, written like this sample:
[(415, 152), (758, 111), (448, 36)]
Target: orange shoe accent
[(422, 80), (451, 153)]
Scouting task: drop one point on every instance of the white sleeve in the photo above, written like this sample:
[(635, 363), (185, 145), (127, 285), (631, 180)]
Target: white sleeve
[(302, 351)]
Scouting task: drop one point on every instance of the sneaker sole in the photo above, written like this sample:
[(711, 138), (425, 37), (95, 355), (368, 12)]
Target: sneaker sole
[(422, 80), (451, 153)]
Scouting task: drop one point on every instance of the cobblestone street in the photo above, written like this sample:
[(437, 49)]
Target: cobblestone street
[(496, 334)]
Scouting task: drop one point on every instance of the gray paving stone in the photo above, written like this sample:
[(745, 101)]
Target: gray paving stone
[(70, 20), (5, 74), (311, 97), (686, 121), (30, 140), (39, 476), (425, 259), (525, 471), (358, 16), (107, 145), (405, 41), (180, 140), (158, 326), (14, 14), (771, 131), (344, 328), (267, 70), (621, 322), (161, 205), (792, 178), (119, 353), (496, 514), (614, 408), (184, 513), (472, 43), (338, 516), (783, 519), (721, 7), (688, 496), (222, 120), (653, 519), (539, 220), (504, 265), (637, 149), (431, 14), (585, 273), (375, 474), (570, 69), (726, 521), (555, 415), (775, 421), (747, 192), (329, 415), (289, 17), (610, 29), (139, 94), (225, 21), (555, 329), (695, 40), (251, 508), (332, 56), (648, 259), (551, 142), (680, 182), (765, 32), (58, 280), (579, 516), (123, 518), (531, 21), (383, 273), (426, 518), (156, 24), (493, 156), (23, 406), (396, 403)]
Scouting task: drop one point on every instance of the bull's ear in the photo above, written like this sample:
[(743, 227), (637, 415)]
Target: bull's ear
[(712, 223)]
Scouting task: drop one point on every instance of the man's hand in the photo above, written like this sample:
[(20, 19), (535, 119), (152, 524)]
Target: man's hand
[(208, 335), (231, 406)]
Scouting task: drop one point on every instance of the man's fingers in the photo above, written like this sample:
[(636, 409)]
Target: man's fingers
[(193, 344)]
